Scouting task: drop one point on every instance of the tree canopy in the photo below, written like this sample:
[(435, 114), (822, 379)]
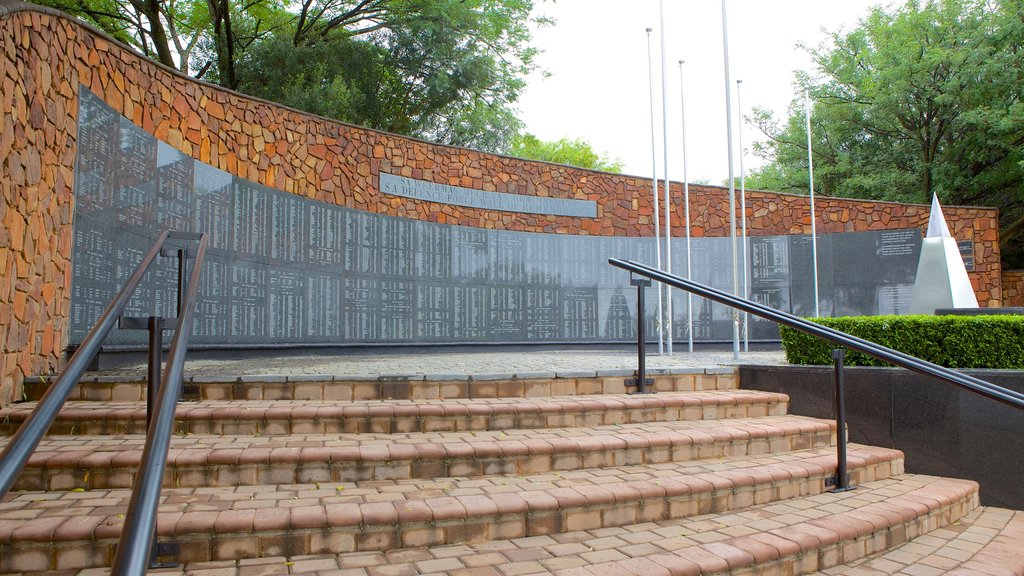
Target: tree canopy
[(443, 70), (922, 99), (572, 152)]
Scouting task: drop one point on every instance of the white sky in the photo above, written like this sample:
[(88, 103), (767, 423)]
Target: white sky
[(598, 90)]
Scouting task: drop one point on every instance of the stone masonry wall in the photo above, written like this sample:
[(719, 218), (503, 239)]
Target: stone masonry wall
[(1013, 288), (45, 57)]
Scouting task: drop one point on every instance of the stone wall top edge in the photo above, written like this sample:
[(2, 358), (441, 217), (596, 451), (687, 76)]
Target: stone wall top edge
[(10, 7)]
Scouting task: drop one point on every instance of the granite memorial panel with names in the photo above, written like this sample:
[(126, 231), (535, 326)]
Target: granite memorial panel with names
[(283, 269)]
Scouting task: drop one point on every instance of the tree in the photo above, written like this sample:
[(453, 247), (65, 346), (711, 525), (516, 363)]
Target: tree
[(576, 152), (443, 70), (922, 100)]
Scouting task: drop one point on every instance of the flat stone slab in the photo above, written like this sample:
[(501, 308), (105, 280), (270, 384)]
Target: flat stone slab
[(439, 363)]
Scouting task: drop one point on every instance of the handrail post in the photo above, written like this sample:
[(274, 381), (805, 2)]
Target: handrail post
[(641, 336), (182, 277), (156, 345), (841, 481)]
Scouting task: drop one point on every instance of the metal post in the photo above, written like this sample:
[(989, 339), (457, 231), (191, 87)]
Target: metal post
[(743, 213), (668, 188), (814, 231), (156, 343), (654, 188), (686, 213), (641, 338), (732, 188), (841, 481), (182, 277)]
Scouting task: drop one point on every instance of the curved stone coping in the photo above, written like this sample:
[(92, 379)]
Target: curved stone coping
[(61, 463), (372, 409), (356, 377)]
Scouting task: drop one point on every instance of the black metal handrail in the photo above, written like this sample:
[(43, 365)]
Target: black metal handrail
[(841, 481), (133, 551), (27, 438), (29, 434), (895, 357)]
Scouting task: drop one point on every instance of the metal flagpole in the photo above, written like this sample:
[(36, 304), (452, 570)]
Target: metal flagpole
[(732, 186), (686, 214), (654, 189), (743, 212), (667, 188), (814, 231)]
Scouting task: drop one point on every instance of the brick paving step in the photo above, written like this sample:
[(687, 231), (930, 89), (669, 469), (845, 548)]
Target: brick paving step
[(67, 462), (385, 416), (794, 536), (62, 530), (988, 541), (132, 388)]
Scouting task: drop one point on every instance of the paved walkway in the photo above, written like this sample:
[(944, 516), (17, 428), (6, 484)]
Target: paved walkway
[(441, 360)]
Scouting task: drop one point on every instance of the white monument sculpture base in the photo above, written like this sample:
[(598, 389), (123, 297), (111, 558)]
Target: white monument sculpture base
[(942, 280)]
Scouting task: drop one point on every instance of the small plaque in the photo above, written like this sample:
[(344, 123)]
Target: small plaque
[(966, 248), (459, 196)]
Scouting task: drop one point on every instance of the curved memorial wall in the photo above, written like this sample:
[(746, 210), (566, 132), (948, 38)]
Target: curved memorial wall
[(338, 204), (287, 270)]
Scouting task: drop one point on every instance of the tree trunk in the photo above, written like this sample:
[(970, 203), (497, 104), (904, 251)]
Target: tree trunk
[(151, 8), (223, 42)]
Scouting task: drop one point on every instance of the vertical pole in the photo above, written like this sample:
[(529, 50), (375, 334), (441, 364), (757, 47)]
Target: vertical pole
[(667, 188), (732, 187), (842, 477), (156, 336), (654, 188), (814, 231), (686, 215), (182, 280), (641, 344), (743, 213)]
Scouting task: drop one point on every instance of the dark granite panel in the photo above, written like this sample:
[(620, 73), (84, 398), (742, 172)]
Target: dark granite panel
[(286, 270), (942, 429), (927, 418)]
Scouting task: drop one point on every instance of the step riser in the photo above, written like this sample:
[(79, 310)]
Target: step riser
[(394, 389), (322, 467), (305, 536), (274, 424)]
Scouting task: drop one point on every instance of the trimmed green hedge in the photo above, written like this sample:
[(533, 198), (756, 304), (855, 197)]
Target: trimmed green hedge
[(953, 341)]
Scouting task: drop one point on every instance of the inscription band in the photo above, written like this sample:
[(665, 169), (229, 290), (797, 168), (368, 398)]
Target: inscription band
[(459, 196)]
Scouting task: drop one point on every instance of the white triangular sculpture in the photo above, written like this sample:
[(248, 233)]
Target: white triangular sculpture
[(942, 280)]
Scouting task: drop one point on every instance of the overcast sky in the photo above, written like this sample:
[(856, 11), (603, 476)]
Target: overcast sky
[(596, 55)]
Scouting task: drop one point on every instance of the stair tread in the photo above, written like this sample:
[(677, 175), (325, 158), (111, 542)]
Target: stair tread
[(34, 516), (988, 541), (437, 407), (78, 451), (793, 529)]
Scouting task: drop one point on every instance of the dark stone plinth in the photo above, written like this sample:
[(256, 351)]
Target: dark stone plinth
[(943, 430)]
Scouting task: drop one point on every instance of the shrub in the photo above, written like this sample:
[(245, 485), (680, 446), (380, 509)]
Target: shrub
[(952, 341)]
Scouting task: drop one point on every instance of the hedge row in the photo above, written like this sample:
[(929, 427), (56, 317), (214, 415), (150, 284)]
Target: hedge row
[(953, 341)]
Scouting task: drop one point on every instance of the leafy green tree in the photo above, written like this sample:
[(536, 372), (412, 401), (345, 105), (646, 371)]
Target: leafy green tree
[(923, 99), (576, 152), (443, 70)]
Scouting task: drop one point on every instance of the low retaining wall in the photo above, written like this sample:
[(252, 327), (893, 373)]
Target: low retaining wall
[(943, 430)]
